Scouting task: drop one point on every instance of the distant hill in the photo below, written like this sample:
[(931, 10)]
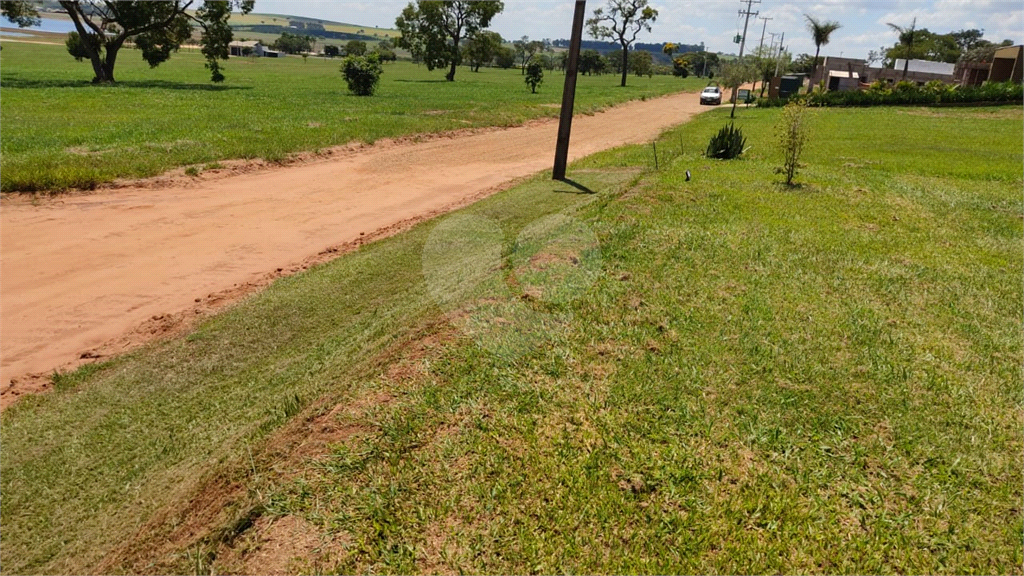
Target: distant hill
[(327, 29)]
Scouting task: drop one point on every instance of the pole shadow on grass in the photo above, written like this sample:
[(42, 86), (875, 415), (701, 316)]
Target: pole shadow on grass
[(579, 188), (15, 81)]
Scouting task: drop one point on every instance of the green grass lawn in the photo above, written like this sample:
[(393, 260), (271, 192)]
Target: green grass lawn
[(728, 375), (60, 131)]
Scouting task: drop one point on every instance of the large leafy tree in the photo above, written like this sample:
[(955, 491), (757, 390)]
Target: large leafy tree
[(432, 30), (293, 43), (702, 62), (734, 74), (967, 39), (641, 63), (591, 62), (820, 31), (525, 50), (482, 48), (803, 64), (925, 45), (622, 22), (157, 29), (983, 51)]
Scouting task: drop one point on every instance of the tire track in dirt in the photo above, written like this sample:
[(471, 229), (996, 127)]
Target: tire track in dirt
[(87, 276)]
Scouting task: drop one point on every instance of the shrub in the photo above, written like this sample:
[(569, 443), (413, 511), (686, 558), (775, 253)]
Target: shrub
[(908, 94), (792, 137), (534, 75), (727, 144), (355, 48), (362, 73)]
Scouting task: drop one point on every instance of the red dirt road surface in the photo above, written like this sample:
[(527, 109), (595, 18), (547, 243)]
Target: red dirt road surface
[(86, 276)]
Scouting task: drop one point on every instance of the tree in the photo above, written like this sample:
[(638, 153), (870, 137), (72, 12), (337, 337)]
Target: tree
[(622, 22), (355, 48), (614, 59), (820, 32), (525, 49), (875, 56), (803, 64), (504, 57), (701, 62), (102, 27), (432, 30), (967, 39), (641, 63), (733, 75), (669, 49), (941, 47), (588, 61), (482, 48), (331, 50), (292, 43), (362, 73), (983, 51), (906, 40), (792, 138), (764, 64), (534, 76), (547, 61), (384, 52), (925, 45), (680, 67)]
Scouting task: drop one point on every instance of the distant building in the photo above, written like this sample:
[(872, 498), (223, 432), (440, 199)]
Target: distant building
[(1007, 65), (1004, 66), (850, 66), (969, 73), (250, 47), (918, 71), (842, 81)]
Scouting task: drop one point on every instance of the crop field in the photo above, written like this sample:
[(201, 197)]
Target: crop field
[(60, 131), (280, 20), (642, 374)]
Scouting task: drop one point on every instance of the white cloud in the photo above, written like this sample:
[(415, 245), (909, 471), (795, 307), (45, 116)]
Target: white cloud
[(715, 22)]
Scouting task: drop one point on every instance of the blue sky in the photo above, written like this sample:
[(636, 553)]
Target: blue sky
[(715, 22)]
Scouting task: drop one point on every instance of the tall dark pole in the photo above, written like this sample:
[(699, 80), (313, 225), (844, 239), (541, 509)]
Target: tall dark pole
[(743, 42), (569, 93)]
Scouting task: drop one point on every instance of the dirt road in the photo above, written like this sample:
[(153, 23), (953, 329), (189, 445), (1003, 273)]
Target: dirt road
[(86, 276)]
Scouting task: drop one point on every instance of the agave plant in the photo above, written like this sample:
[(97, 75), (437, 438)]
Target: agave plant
[(728, 143)]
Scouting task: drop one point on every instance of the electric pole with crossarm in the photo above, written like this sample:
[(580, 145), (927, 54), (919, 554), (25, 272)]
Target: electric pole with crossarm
[(743, 42)]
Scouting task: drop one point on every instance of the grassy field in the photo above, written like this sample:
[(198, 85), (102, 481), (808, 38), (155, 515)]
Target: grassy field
[(60, 131), (721, 375), (282, 20)]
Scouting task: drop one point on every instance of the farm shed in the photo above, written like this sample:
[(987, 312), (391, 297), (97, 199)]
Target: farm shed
[(250, 47)]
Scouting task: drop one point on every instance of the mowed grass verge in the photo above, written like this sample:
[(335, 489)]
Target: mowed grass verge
[(60, 131), (755, 379)]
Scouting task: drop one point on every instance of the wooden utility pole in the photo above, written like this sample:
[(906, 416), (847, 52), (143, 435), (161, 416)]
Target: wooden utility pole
[(763, 28), (778, 57), (569, 93), (743, 42), (746, 21)]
